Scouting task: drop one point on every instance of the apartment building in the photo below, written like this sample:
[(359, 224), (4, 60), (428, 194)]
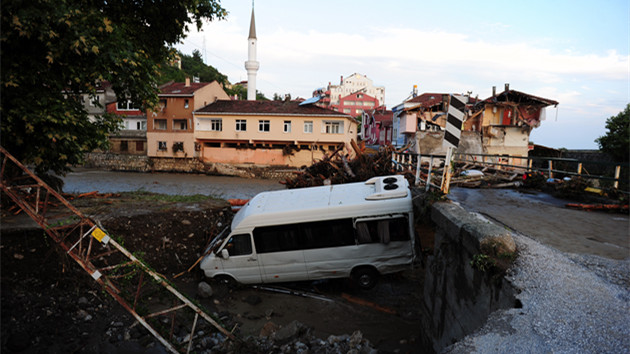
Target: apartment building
[(170, 129), (278, 133)]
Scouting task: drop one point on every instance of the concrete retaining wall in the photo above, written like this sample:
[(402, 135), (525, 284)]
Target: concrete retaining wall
[(431, 143), (457, 296)]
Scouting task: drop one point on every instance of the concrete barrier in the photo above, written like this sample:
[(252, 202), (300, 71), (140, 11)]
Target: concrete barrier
[(464, 279)]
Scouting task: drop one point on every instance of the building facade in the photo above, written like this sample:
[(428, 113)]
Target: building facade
[(355, 104), (170, 129), (333, 95), (132, 136), (377, 127), (277, 133)]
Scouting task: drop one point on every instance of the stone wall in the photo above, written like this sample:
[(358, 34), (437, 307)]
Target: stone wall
[(137, 163), (459, 296)]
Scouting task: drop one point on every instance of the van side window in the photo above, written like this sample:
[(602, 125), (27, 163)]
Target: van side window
[(331, 233), (309, 235), (239, 245), (276, 238), (382, 231)]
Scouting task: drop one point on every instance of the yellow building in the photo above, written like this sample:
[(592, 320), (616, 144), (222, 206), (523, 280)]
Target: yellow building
[(278, 133)]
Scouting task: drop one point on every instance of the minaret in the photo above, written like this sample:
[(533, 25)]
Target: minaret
[(251, 64)]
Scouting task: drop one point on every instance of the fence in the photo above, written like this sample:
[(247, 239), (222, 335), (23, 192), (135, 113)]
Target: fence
[(605, 173)]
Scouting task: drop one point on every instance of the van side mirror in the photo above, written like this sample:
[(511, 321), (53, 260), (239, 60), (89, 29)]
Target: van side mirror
[(225, 254)]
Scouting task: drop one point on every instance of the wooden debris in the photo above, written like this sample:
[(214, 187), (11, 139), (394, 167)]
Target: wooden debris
[(337, 169)]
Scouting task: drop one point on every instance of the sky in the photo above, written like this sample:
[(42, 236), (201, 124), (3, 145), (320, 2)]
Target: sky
[(573, 52)]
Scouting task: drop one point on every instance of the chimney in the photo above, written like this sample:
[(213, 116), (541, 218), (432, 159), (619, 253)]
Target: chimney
[(341, 81), (494, 91), (507, 87), (415, 90), (187, 82)]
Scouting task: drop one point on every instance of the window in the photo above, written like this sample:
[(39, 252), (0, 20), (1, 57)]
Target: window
[(239, 245), (216, 124), (308, 126), (178, 146), (125, 106), (186, 104), (124, 146), (180, 124), (333, 127), (358, 111), (141, 125), (348, 103), (162, 145), (287, 126), (320, 234), (346, 110), (383, 231), (241, 125), (139, 145), (263, 125), (96, 100), (160, 124)]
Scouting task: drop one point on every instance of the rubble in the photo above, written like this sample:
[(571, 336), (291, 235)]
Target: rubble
[(337, 169)]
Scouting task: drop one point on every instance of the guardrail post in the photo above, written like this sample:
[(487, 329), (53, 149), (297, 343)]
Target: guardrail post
[(550, 169), (429, 174), (529, 164), (579, 171), (617, 173), (419, 158)]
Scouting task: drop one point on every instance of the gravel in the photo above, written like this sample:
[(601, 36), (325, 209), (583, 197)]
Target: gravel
[(571, 304)]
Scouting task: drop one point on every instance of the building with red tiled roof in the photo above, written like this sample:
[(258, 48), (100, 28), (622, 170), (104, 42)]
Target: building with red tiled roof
[(279, 133), (170, 129)]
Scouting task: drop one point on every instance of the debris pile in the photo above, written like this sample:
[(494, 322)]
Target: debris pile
[(337, 169)]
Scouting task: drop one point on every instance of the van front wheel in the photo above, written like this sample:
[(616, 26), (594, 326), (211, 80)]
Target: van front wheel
[(365, 277)]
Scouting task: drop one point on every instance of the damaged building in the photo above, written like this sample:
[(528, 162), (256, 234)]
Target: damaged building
[(505, 121), (498, 125)]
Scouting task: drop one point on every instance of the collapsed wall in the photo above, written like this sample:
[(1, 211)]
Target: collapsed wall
[(464, 275)]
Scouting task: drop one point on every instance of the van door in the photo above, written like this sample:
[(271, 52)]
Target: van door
[(242, 263), (280, 252)]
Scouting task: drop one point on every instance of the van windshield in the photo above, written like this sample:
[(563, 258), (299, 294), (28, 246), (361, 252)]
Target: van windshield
[(218, 241)]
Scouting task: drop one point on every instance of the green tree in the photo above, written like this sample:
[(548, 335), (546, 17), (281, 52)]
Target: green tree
[(616, 142), (53, 51), (194, 66)]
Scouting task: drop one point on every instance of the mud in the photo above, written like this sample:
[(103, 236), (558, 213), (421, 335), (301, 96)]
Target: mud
[(50, 305)]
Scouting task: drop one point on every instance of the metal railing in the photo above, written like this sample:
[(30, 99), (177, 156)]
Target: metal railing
[(552, 167), (145, 294)]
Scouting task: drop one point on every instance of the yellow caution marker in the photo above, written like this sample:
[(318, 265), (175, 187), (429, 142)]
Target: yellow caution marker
[(100, 235)]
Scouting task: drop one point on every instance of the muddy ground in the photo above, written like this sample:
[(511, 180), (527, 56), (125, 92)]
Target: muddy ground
[(49, 304)]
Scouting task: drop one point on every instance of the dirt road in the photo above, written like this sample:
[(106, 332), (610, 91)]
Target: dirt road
[(547, 220)]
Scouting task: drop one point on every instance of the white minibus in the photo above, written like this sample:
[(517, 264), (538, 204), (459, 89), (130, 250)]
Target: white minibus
[(356, 230)]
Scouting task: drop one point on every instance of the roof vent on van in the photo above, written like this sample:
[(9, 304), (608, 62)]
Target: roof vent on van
[(387, 187)]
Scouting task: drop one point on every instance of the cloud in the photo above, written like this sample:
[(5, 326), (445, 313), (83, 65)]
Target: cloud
[(590, 86)]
